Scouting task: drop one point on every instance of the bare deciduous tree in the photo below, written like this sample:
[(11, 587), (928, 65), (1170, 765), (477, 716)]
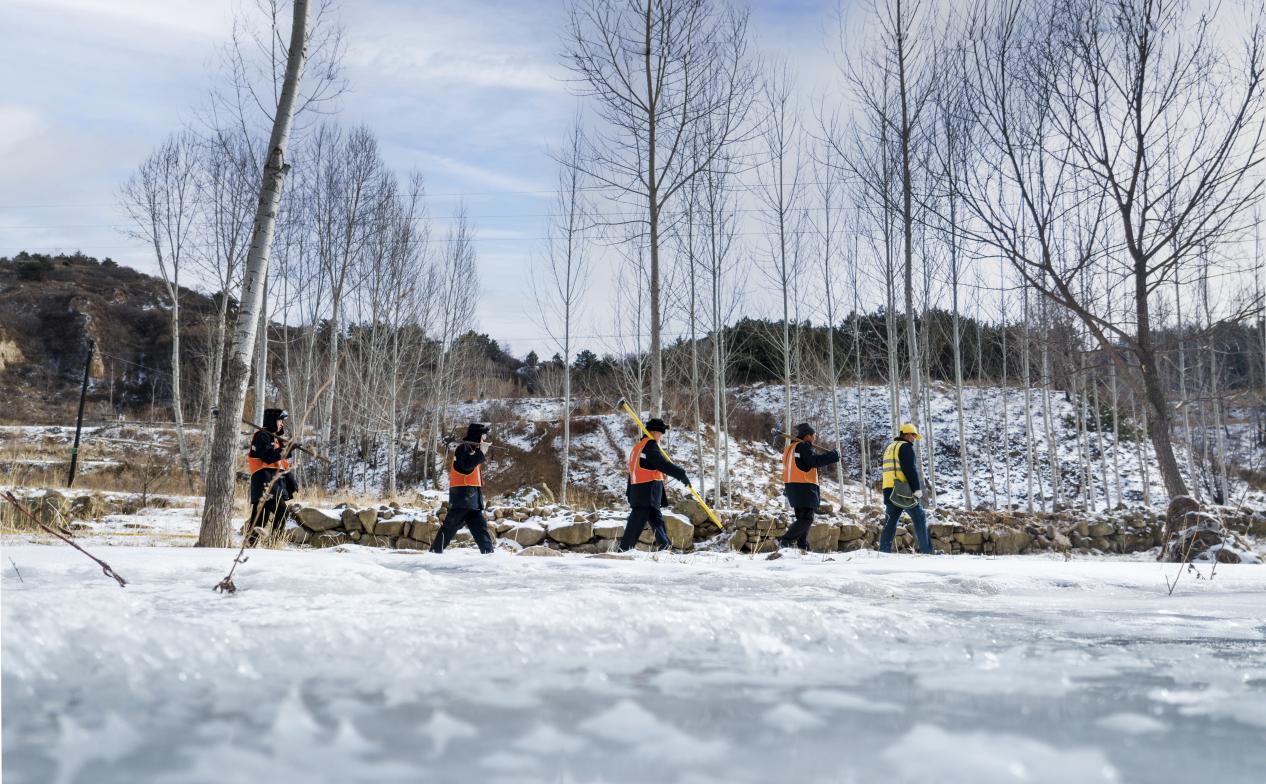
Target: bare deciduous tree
[(161, 200), (562, 277), (659, 71)]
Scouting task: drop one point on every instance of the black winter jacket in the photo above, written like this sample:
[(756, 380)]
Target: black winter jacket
[(465, 459), (263, 447), (806, 495), (651, 494)]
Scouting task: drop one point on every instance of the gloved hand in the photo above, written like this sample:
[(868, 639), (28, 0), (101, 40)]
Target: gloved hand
[(484, 445), (918, 493)]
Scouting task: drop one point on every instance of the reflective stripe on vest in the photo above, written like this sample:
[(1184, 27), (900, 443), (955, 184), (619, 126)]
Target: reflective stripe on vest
[(791, 473), (458, 479), (637, 474), (254, 464), (892, 465)]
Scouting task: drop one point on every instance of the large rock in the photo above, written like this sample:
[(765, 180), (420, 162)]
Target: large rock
[(538, 550), (389, 527), (89, 507), (317, 520), (547, 495), (570, 532), (851, 531), (329, 539), (348, 520), (52, 509), (368, 518), (689, 508), (608, 529), (526, 534), (823, 537), (969, 538), (405, 543), (1200, 533), (1101, 529), (1009, 541), (424, 530), (680, 531)]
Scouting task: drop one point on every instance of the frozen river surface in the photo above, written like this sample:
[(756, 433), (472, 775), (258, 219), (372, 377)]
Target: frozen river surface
[(360, 665)]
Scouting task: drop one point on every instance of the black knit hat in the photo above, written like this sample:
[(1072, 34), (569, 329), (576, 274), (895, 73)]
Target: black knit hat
[(803, 429), (475, 431), (272, 416), (657, 425)]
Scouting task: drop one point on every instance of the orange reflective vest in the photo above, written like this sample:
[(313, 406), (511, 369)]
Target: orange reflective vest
[(254, 464), (458, 479), (791, 473), (637, 474)]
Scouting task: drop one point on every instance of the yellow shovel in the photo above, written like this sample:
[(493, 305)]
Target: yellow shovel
[(624, 404)]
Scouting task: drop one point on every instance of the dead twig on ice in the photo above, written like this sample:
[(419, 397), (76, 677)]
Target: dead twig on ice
[(105, 567)]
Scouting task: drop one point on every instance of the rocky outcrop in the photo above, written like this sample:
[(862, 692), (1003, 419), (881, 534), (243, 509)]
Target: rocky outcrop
[(1198, 535)]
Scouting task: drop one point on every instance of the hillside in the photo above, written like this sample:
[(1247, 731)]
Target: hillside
[(50, 306)]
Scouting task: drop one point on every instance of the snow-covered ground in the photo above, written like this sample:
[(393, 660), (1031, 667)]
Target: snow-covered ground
[(366, 665)]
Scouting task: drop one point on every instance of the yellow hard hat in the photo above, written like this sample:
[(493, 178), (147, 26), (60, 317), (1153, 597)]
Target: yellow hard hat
[(909, 429)]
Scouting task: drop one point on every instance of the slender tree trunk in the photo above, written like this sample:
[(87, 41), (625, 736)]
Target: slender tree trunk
[(1184, 401), (981, 377), (177, 406), (1004, 441), (1143, 461), (968, 503), (863, 439), (1083, 436), (1159, 427), (218, 509), (907, 213), (1103, 452), (1052, 446), (1116, 433), (261, 361), (1030, 458)]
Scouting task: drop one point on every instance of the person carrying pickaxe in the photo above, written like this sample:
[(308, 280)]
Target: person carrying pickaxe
[(801, 459)]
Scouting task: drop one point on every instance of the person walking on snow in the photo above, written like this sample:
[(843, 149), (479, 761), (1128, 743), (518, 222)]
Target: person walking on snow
[(265, 460), (800, 464), (901, 464), (648, 466), (466, 492)]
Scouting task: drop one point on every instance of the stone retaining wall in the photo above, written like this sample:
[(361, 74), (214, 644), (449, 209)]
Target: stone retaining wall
[(415, 527), (952, 531)]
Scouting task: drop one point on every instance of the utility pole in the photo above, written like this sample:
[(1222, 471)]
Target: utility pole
[(79, 420)]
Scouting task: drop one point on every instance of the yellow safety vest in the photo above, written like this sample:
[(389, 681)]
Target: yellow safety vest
[(892, 464)]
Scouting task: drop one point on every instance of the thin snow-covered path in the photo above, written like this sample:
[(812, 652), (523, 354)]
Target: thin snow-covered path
[(360, 665)]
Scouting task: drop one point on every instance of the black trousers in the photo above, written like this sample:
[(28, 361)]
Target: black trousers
[(639, 516), (474, 521), (798, 533), (271, 514)]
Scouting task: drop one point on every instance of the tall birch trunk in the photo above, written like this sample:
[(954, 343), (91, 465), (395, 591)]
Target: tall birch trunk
[(217, 511)]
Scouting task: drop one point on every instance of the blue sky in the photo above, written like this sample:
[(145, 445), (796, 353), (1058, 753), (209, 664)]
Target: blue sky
[(469, 93)]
